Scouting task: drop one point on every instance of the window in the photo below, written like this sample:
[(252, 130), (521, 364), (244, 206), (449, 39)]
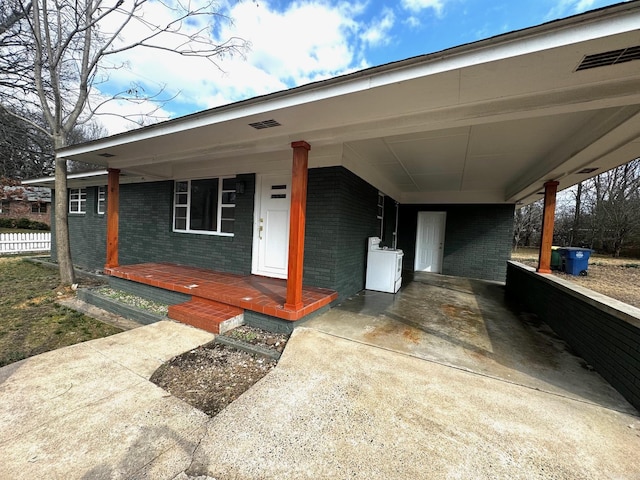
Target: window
[(38, 208), (101, 204), (381, 212), (77, 200), (205, 206)]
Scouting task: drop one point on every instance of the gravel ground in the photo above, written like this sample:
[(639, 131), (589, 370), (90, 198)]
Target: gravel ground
[(212, 376), (617, 278), (133, 300)]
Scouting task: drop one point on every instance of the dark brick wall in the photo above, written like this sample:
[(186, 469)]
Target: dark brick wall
[(341, 215), (87, 234), (146, 230), (149, 292), (145, 233), (477, 241), (607, 338)]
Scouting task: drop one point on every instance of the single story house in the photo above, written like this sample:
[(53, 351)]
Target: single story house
[(432, 154), (30, 202)]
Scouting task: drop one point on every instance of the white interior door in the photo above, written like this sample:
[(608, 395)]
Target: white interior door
[(271, 239), (430, 242)]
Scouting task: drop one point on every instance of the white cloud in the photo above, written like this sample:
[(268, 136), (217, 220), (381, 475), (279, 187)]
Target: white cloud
[(419, 5), (378, 32), (304, 42), (412, 21)]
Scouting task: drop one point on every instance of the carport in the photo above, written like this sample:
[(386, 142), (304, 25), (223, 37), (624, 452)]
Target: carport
[(503, 121), (470, 325)]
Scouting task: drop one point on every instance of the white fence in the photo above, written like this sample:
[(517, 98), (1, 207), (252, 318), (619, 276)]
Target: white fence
[(25, 242)]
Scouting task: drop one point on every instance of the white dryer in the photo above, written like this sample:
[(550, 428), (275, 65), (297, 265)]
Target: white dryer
[(384, 267)]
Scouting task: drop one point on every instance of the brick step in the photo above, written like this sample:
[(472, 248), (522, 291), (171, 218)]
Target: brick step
[(209, 315)]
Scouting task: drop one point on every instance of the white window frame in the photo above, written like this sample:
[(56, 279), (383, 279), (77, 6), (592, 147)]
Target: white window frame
[(78, 197), (220, 205), (380, 215), (101, 200)]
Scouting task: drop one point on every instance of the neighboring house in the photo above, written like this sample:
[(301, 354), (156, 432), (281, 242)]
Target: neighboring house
[(433, 153), (25, 201)]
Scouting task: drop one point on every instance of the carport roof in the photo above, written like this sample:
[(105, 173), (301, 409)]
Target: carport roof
[(486, 122)]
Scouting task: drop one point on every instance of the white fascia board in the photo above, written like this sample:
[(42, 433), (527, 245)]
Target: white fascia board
[(592, 25), (47, 181), (38, 181)]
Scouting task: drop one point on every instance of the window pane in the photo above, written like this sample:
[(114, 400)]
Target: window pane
[(229, 184), (181, 186), (181, 224), (228, 213), (229, 197), (181, 199), (181, 212), (204, 204)]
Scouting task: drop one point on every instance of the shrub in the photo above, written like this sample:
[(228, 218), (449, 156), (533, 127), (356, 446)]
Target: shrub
[(7, 223), (23, 224)]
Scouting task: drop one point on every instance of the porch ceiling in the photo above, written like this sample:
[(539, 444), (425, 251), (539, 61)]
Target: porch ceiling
[(485, 122)]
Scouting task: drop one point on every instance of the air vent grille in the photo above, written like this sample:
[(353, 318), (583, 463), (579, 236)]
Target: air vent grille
[(264, 124), (613, 57), (587, 170)]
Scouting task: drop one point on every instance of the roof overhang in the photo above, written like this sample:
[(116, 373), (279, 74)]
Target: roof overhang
[(91, 178), (487, 122)]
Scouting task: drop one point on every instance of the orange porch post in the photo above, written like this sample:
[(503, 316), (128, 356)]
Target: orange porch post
[(113, 208), (548, 217), (297, 224)]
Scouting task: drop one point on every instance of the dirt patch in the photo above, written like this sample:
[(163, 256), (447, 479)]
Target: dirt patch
[(212, 376), (617, 278)]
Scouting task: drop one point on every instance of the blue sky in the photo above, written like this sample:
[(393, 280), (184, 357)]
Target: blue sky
[(293, 43)]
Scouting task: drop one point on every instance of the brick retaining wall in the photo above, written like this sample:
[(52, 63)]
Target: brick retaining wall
[(603, 331)]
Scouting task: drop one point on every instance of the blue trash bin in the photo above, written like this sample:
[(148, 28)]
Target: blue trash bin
[(575, 261)]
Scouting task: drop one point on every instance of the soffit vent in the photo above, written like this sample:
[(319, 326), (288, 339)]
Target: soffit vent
[(613, 57), (106, 155), (264, 124), (587, 170)]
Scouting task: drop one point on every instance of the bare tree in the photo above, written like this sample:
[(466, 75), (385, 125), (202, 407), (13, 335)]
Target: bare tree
[(527, 223), (573, 236), (613, 200), (55, 54)]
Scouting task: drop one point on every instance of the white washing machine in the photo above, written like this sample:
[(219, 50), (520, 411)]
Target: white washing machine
[(384, 267)]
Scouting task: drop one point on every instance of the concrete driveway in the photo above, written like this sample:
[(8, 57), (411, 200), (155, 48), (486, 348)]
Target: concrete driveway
[(440, 381)]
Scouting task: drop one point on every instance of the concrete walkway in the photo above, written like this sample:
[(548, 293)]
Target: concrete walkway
[(441, 381), (88, 411)]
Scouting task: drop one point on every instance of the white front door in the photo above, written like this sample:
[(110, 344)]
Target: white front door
[(271, 236), (430, 242)]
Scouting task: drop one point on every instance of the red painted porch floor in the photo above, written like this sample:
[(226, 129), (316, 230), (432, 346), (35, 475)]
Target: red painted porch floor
[(249, 292)]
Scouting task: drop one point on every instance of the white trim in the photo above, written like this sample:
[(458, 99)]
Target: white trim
[(219, 206), (104, 199), (443, 227), (257, 204), (81, 202)]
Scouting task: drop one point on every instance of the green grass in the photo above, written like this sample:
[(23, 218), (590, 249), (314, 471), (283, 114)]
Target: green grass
[(31, 322)]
